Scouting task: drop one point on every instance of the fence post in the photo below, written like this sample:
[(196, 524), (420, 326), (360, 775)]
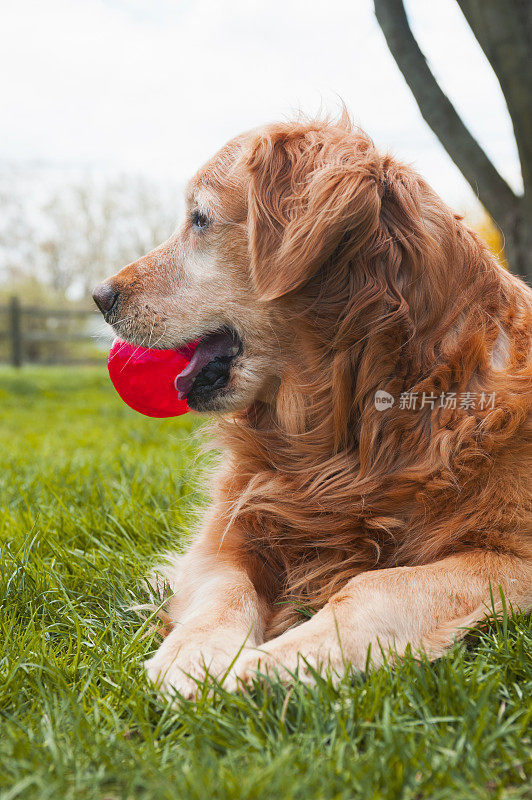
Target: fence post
[(15, 331)]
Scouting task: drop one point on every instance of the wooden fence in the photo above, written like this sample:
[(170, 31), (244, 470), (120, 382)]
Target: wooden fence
[(30, 333)]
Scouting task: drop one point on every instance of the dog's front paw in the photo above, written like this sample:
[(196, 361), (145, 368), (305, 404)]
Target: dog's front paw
[(182, 666), (254, 662), (286, 667), (287, 659)]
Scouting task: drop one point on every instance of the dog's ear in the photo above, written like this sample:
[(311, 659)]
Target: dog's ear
[(309, 187)]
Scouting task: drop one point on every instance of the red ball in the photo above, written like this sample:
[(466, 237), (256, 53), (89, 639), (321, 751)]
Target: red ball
[(145, 379)]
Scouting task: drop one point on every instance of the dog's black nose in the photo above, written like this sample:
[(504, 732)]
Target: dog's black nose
[(104, 295)]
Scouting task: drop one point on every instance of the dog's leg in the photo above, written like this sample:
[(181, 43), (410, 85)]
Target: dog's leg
[(215, 611), (427, 606)]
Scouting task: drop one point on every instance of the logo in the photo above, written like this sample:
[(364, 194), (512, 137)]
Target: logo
[(383, 400)]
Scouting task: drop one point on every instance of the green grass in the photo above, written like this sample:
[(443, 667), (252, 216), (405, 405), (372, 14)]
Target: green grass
[(90, 493)]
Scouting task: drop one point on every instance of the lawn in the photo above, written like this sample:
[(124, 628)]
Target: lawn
[(90, 492)]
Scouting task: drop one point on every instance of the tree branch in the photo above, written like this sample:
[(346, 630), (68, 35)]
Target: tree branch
[(440, 114), (503, 29)]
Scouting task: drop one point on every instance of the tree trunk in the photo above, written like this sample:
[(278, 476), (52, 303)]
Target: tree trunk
[(517, 232), (512, 213)]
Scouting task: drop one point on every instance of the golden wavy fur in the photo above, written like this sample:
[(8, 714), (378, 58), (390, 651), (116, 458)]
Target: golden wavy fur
[(385, 289), (345, 276)]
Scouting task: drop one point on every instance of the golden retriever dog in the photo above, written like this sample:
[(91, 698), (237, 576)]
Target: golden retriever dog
[(370, 365)]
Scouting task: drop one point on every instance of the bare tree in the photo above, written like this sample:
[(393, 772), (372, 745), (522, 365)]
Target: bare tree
[(503, 29), (81, 232)]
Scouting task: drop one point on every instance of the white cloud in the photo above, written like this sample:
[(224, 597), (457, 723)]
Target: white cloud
[(158, 87)]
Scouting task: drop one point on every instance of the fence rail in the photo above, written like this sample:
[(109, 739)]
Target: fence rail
[(29, 326)]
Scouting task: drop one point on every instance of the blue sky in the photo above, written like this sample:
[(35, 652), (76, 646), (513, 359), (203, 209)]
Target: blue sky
[(156, 87)]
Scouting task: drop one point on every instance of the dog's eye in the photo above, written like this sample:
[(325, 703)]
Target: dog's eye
[(199, 220)]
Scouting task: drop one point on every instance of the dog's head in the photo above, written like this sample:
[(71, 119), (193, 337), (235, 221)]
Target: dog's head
[(266, 220)]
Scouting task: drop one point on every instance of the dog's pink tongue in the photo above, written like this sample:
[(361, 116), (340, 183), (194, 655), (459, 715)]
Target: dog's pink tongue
[(207, 349)]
